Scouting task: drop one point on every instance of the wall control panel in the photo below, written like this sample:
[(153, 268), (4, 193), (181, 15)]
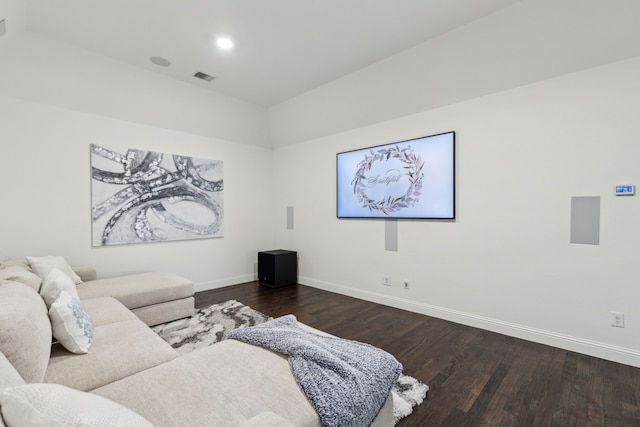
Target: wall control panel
[(625, 190)]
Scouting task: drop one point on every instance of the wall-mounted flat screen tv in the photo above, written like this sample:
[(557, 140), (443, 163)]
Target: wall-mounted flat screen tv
[(412, 179)]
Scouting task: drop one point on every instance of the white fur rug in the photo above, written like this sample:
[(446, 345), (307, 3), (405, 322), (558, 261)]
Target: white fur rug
[(211, 324)]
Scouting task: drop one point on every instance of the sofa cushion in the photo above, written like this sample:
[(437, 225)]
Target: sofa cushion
[(71, 324), (267, 419), (25, 330), (237, 381), (107, 310), (139, 290), (55, 282), (56, 405), (164, 312), (9, 377), (16, 273), (118, 350), (43, 265)]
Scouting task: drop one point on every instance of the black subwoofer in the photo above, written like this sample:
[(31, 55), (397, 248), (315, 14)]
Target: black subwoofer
[(278, 268)]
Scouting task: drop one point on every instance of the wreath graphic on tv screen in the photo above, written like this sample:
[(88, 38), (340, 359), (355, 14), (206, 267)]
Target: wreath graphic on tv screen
[(411, 167)]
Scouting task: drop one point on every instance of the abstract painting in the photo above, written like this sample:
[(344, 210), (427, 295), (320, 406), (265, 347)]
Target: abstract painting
[(140, 196)]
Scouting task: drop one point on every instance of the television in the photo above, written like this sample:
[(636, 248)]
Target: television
[(413, 179)]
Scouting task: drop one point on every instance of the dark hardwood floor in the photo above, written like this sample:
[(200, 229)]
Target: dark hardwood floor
[(476, 377)]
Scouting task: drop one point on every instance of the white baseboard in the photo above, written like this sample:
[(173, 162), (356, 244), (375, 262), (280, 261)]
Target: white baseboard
[(601, 350), (216, 284)]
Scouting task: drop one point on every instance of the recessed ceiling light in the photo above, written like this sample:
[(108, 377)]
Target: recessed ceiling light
[(161, 62), (224, 43)]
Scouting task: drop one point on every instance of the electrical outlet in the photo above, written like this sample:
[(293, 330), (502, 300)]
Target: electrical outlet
[(406, 284), (386, 280), (617, 319)]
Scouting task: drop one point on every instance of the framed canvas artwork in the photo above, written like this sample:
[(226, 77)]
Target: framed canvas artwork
[(140, 196)]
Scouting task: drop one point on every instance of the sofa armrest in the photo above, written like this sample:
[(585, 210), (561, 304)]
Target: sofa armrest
[(267, 419), (86, 273)]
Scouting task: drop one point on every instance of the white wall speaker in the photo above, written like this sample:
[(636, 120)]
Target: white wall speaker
[(289, 217), (390, 235), (585, 220)]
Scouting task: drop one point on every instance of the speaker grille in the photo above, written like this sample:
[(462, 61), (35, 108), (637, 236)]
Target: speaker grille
[(203, 76)]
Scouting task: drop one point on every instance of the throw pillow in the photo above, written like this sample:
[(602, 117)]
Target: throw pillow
[(17, 262), (71, 324), (56, 282), (42, 265), (56, 405), (25, 330), (16, 273)]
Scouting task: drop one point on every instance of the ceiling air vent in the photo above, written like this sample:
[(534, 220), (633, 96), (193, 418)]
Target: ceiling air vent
[(204, 76)]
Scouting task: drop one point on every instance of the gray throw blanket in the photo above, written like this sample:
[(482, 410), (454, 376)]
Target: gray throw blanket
[(347, 382)]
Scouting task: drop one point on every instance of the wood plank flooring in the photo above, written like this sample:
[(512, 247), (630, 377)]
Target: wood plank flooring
[(476, 377)]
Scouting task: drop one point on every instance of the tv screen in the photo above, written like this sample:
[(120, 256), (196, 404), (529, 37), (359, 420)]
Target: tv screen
[(409, 179)]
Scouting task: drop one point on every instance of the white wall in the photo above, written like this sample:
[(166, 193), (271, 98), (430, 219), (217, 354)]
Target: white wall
[(56, 100), (506, 263), (46, 205)]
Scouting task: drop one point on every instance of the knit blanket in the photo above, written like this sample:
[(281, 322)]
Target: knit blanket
[(347, 382)]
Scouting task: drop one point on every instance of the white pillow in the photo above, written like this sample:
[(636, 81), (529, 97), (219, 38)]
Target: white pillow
[(71, 324), (56, 282), (43, 265), (56, 405)]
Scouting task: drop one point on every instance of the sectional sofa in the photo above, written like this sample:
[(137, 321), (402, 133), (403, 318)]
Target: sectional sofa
[(126, 374)]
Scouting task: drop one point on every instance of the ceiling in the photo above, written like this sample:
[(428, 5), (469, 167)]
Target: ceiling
[(283, 47)]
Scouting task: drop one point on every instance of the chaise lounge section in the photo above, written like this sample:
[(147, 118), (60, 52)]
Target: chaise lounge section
[(155, 297)]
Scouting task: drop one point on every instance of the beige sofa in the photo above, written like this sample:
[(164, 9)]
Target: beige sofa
[(132, 372)]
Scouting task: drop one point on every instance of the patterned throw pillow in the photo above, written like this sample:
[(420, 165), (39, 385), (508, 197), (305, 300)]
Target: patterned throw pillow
[(71, 324), (57, 405)]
